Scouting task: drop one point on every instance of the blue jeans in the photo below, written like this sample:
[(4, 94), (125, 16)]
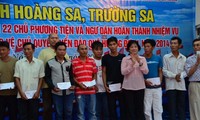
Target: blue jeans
[(63, 106), (102, 106), (88, 102)]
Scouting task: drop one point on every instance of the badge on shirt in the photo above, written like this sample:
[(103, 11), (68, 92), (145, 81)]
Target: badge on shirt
[(67, 68)]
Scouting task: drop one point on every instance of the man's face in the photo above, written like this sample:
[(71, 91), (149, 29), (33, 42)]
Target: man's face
[(98, 52), (4, 52), (174, 45), (53, 39), (28, 51), (148, 48), (196, 46), (61, 51), (112, 46), (83, 50)]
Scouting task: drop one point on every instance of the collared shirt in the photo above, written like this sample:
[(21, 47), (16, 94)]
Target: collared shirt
[(133, 74), (83, 72), (189, 63), (56, 72), (29, 73), (45, 55), (171, 67)]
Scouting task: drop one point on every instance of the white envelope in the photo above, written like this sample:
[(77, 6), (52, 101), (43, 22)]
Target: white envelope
[(64, 85), (90, 83), (198, 52), (4, 86), (29, 94), (154, 81), (115, 87)]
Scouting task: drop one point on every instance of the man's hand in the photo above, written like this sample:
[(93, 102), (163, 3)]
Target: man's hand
[(82, 86), (148, 83), (36, 95), (178, 77), (23, 96), (107, 89), (96, 88), (55, 89), (72, 88), (198, 60)]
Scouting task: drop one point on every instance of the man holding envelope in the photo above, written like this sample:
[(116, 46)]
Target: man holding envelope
[(58, 76), (192, 68), (153, 91), (29, 73), (85, 74), (8, 95), (174, 72)]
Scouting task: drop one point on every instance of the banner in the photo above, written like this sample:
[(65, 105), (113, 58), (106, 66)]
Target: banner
[(85, 21)]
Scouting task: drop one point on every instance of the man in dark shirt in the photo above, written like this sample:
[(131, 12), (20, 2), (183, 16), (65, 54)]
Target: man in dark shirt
[(8, 97), (111, 73)]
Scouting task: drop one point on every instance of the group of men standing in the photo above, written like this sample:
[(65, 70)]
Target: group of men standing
[(92, 82)]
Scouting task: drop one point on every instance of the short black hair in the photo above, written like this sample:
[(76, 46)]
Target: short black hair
[(29, 43), (197, 39), (111, 39), (96, 45), (130, 42), (60, 44), (5, 44), (150, 41), (177, 38)]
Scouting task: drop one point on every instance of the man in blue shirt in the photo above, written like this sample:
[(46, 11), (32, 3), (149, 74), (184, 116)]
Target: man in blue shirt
[(153, 91)]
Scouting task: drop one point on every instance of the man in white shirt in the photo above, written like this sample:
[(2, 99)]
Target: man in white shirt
[(101, 97), (29, 73), (192, 67), (173, 70)]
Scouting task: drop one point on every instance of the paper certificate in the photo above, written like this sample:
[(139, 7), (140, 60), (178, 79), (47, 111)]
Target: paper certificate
[(115, 87), (90, 83), (154, 81), (4, 86), (64, 85), (29, 94)]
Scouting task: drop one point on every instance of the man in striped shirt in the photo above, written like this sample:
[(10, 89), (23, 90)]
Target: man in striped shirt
[(84, 70)]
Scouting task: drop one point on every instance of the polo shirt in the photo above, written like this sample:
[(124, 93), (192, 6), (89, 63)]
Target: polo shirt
[(83, 72)]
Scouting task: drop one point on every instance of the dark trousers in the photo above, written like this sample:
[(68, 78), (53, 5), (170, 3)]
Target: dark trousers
[(113, 98), (9, 102), (47, 103), (134, 104), (176, 104), (102, 112), (28, 109)]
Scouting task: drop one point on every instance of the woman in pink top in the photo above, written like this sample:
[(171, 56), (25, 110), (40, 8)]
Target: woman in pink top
[(133, 67)]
